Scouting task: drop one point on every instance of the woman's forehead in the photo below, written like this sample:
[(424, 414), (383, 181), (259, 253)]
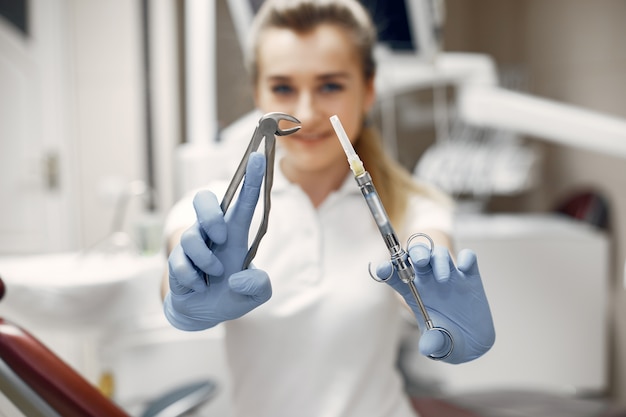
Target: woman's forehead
[(325, 49)]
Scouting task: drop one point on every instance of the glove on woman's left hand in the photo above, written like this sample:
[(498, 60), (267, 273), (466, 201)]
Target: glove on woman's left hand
[(454, 298)]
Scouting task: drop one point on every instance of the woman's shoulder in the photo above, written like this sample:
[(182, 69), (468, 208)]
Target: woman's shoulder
[(426, 191), (429, 208)]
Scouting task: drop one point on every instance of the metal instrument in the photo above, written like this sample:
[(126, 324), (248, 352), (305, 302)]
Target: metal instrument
[(267, 129)]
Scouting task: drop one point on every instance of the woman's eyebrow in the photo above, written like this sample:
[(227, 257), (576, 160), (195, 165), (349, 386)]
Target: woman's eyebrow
[(278, 78), (334, 75)]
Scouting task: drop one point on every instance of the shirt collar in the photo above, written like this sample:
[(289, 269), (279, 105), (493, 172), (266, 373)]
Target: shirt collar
[(281, 183)]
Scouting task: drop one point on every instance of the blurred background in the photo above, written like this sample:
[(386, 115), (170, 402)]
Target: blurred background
[(108, 109)]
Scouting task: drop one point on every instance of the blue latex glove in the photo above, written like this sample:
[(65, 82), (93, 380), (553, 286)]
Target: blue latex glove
[(191, 304), (454, 298)]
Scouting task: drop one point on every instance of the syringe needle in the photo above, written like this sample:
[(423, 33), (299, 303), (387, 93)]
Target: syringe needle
[(353, 159)]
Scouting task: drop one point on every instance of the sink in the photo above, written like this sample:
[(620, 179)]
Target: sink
[(80, 289), (102, 314)]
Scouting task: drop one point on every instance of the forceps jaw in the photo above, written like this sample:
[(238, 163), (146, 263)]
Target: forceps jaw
[(275, 129)]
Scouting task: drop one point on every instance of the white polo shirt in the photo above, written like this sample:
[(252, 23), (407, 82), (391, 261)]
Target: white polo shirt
[(326, 343)]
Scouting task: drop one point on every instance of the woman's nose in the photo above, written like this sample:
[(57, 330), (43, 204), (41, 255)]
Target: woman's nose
[(306, 109)]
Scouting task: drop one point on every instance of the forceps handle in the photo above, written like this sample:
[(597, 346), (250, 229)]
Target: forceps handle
[(270, 153), (240, 172)]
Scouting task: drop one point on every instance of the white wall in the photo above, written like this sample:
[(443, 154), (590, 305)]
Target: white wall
[(39, 205), (77, 78), (109, 116)]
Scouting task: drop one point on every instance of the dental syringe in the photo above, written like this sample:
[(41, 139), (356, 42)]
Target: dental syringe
[(400, 260)]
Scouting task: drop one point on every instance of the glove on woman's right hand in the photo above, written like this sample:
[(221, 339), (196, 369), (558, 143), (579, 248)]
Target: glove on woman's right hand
[(191, 304)]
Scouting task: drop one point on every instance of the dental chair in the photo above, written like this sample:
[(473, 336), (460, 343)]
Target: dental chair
[(39, 383)]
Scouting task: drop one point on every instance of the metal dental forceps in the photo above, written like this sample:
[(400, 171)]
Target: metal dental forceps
[(266, 129), (400, 260)]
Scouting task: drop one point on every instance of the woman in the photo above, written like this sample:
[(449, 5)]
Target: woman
[(308, 333)]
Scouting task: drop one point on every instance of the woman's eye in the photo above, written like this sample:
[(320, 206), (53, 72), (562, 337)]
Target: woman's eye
[(282, 89), (331, 87)]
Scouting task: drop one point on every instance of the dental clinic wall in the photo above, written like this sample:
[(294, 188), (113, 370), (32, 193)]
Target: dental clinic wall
[(571, 51), (72, 121), (109, 118)]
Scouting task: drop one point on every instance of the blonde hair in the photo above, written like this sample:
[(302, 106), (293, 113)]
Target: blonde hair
[(305, 15), (391, 179), (393, 182)]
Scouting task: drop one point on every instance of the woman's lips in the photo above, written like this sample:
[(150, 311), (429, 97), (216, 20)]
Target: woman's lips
[(310, 137)]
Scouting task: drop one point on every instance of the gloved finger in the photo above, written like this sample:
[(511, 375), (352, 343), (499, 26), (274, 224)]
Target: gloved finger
[(193, 243), (433, 342), (420, 256), (468, 263), (210, 216), (252, 282), (241, 215), (384, 270), (442, 263), (184, 277)]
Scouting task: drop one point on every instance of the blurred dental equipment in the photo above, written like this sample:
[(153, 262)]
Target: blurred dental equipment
[(479, 163), (482, 102), (489, 106), (399, 257)]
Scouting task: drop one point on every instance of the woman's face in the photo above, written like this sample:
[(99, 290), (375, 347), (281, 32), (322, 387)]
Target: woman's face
[(313, 76)]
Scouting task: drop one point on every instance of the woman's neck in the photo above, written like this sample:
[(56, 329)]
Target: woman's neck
[(318, 185)]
